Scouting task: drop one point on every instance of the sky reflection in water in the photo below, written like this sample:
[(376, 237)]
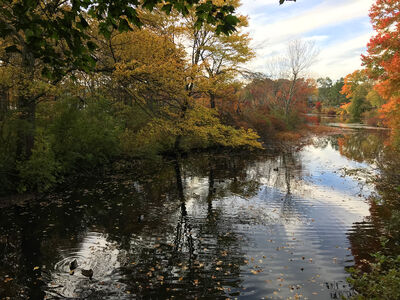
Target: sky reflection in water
[(263, 226)]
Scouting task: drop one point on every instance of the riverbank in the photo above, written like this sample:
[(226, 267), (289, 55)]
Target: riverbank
[(280, 142)]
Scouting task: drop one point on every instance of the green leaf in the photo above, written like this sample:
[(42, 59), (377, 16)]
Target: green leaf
[(91, 46), (167, 8), (123, 25)]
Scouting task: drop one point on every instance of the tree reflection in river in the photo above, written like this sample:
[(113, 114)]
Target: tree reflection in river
[(362, 146), (208, 225), (380, 230), (135, 231)]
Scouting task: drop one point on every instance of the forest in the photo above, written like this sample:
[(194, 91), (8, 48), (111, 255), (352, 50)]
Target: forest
[(163, 83), (90, 87)]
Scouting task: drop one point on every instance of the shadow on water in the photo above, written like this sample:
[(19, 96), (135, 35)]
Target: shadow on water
[(207, 226)]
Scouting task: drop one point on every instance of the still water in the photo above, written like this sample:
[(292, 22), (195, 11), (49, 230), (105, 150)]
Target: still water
[(281, 225)]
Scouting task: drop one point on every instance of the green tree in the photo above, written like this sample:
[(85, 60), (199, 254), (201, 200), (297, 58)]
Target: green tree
[(52, 38), (329, 91)]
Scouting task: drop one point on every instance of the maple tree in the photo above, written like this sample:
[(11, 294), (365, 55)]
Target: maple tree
[(383, 59)]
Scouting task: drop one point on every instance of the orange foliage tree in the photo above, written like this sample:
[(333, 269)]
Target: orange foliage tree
[(383, 60)]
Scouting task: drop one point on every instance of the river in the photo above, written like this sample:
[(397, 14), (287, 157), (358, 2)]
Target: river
[(279, 225)]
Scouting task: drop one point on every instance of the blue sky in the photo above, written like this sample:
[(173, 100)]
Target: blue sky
[(340, 29)]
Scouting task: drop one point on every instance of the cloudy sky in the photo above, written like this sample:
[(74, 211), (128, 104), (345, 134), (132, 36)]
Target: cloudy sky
[(340, 29)]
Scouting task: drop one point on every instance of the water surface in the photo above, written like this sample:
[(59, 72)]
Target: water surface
[(279, 226)]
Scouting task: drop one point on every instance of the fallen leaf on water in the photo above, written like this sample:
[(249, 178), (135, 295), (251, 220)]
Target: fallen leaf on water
[(36, 268), (8, 279)]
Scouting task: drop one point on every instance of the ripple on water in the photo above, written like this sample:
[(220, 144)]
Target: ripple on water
[(94, 253), (275, 227)]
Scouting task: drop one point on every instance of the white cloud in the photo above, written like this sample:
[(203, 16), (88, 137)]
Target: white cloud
[(342, 58), (271, 32)]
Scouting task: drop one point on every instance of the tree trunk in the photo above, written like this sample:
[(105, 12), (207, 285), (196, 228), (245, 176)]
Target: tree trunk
[(178, 138), (4, 102), (26, 130), (212, 101), (27, 109)]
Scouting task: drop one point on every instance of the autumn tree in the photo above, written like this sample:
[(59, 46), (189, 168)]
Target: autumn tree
[(299, 56), (383, 59), (357, 86), (51, 38), (217, 59)]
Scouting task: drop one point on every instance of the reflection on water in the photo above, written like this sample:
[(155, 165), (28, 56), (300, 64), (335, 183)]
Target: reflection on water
[(216, 225)]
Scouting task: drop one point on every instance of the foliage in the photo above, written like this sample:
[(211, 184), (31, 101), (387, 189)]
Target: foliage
[(357, 86), (8, 125), (217, 59), (201, 128), (263, 104), (37, 28), (382, 282), (329, 92), (81, 85), (40, 171), (391, 114), (290, 69), (83, 137), (376, 274), (383, 60), (318, 106)]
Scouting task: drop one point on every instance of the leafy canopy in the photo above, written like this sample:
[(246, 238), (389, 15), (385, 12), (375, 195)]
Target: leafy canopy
[(57, 32)]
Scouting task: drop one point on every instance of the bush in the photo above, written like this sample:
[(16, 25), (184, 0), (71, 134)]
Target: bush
[(382, 282), (41, 170), (371, 118), (83, 136), (8, 142), (331, 113)]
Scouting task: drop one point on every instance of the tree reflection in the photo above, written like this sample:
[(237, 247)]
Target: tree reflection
[(363, 147), (154, 231), (383, 224)]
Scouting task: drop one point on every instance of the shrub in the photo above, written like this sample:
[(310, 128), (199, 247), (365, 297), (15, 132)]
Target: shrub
[(8, 142), (84, 136), (40, 171), (382, 282)]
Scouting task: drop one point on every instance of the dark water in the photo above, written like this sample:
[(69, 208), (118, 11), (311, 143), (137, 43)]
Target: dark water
[(280, 226)]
